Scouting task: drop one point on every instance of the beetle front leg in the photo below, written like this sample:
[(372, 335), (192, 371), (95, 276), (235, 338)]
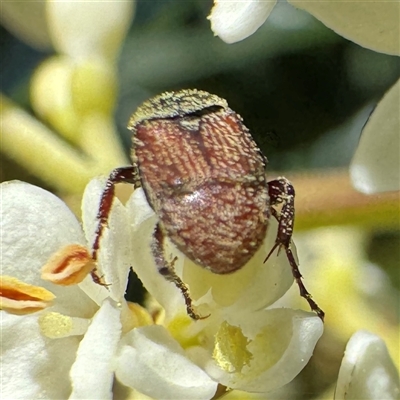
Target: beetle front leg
[(167, 271), (118, 175), (281, 191)]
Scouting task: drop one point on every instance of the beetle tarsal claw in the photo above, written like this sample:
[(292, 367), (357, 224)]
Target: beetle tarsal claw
[(99, 279), (193, 314)]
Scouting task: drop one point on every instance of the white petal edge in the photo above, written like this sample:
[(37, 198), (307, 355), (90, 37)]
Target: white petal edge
[(234, 21), (367, 371), (33, 366), (92, 373), (152, 362), (34, 224), (294, 333), (376, 164), (371, 24)]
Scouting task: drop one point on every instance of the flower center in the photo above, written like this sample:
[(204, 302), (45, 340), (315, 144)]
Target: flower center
[(230, 350)]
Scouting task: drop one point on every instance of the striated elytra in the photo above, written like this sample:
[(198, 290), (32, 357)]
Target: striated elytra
[(203, 175)]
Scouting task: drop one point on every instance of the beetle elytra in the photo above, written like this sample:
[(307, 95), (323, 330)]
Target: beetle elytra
[(204, 176)]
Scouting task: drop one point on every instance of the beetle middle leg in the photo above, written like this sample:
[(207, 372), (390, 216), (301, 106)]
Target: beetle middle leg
[(118, 175), (166, 269), (281, 192)]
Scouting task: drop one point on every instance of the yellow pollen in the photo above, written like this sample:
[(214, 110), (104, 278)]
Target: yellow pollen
[(230, 348), (55, 325)]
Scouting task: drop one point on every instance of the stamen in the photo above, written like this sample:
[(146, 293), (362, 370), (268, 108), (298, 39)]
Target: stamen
[(17, 297), (69, 266)]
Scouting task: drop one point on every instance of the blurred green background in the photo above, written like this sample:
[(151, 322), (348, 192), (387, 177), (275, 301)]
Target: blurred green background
[(304, 91)]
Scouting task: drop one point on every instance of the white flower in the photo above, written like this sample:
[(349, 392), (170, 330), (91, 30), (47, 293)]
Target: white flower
[(240, 345), (376, 164), (35, 224), (367, 371), (374, 25)]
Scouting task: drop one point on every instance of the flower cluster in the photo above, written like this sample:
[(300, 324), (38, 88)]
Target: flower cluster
[(91, 334), (73, 92)]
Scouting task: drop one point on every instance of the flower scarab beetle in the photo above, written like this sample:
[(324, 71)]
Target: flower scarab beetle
[(204, 177)]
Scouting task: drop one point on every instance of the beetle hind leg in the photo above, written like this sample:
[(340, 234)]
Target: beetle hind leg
[(166, 269), (281, 192)]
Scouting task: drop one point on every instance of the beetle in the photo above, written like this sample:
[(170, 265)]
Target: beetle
[(205, 178)]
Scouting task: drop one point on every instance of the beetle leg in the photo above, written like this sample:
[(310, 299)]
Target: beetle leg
[(167, 270), (118, 175), (281, 191)]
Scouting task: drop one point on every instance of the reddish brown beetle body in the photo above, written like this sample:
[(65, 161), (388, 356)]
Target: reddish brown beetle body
[(204, 177)]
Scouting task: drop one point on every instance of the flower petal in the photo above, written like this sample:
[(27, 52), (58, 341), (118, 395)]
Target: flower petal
[(51, 97), (92, 373), (376, 163), (233, 21), (34, 225), (280, 342), (33, 366), (372, 24), (80, 29), (152, 362), (367, 371)]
